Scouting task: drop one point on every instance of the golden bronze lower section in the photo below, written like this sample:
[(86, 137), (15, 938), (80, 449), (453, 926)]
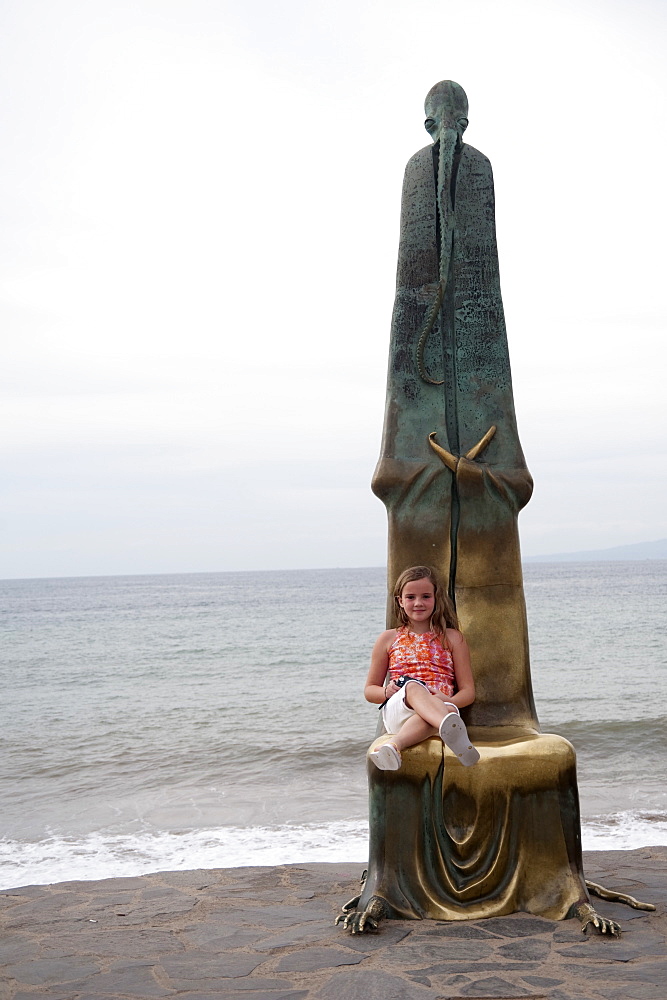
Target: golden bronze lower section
[(455, 843)]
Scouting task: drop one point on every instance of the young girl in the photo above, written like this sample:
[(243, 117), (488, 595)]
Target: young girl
[(430, 650)]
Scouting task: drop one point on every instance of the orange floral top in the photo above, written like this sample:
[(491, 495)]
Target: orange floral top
[(422, 657)]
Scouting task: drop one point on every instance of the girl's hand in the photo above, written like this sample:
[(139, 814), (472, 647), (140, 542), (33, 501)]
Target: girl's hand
[(391, 688)]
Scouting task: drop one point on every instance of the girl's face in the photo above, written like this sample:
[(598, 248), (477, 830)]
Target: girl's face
[(418, 600)]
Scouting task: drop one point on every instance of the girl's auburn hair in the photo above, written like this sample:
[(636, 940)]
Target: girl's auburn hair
[(444, 613)]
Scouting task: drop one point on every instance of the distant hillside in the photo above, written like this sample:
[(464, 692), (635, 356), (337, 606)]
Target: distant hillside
[(640, 550)]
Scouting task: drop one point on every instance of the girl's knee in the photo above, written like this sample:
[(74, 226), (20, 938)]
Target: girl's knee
[(414, 689)]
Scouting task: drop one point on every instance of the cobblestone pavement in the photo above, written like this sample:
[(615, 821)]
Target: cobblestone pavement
[(268, 934)]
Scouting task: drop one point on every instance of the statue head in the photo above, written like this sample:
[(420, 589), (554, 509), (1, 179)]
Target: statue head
[(446, 107)]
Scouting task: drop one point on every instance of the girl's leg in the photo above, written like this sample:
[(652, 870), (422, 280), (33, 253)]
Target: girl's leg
[(434, 712), (388, 756), (412, 731), (429, 708)]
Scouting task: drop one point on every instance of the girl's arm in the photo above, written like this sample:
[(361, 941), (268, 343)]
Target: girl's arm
[(374, 689), (465, 685)]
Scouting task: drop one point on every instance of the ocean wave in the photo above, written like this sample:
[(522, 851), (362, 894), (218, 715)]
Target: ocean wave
[(105, 854), (622, 831), (651, 730), (108, 855)]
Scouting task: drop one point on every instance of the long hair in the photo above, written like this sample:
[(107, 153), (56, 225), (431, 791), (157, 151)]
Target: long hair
[(444, 614)]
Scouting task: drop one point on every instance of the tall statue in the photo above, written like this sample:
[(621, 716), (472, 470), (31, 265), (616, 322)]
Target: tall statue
[(446, 841), (449, 403)]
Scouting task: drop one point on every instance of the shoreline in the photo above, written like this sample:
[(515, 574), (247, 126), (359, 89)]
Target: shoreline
[(268, 932), (107, 879), (98, 856)]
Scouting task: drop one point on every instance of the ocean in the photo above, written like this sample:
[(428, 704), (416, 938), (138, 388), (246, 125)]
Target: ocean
[(217, 719)]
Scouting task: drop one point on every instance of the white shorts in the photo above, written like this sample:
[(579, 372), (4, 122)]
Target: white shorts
[(396, 712)]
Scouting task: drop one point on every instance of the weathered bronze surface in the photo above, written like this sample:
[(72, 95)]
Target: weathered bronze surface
[(449, 382), (450, 842)]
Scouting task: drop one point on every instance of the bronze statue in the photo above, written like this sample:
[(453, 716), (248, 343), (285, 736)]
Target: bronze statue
[(449, 842)]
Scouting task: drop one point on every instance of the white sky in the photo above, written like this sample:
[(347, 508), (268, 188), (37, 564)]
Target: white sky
[(200, 205)]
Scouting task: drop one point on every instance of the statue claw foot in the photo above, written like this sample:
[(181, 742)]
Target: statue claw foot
[(360, 921), (591, 918)]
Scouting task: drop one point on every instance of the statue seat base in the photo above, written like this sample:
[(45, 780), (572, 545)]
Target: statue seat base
[(449, 842)]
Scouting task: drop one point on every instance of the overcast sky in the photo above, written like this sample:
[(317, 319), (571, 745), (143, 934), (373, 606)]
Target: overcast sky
[(200, 204)]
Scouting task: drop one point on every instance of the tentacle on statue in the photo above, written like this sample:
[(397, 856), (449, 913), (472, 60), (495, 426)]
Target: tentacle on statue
[(616, 897)]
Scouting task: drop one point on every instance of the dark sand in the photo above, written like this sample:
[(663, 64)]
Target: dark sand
[(268, 933)]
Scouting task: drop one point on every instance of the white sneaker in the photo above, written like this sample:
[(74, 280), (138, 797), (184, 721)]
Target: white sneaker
[(454, 733), (387, 757)]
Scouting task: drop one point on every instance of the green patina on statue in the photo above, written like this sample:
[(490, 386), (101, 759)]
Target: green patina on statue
[(450, 842)]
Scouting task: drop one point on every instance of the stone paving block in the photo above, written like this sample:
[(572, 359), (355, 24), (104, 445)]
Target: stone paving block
[(221, 987), (461, 929), (50, 994), (391, 933), (107, 900), (139, 911), (416, 952), (46, 910), (643, 972), (368, 984), (160, 891), (638, 874), (584, 971), (131, 979), (240, 893), (541, 981), (568, 930), (589, 947), (194, 965), (51, 970), (17, 949), (124, 883), (451, 968), (263, 878), (215, 939), (609, 951), (565, 994), (25, 891), (234, 994), (197, 878), (518, 925), (274, 917), (525, 950), (311, 959), (637, 991), (494, 986), (108, 943), (303, 934)]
